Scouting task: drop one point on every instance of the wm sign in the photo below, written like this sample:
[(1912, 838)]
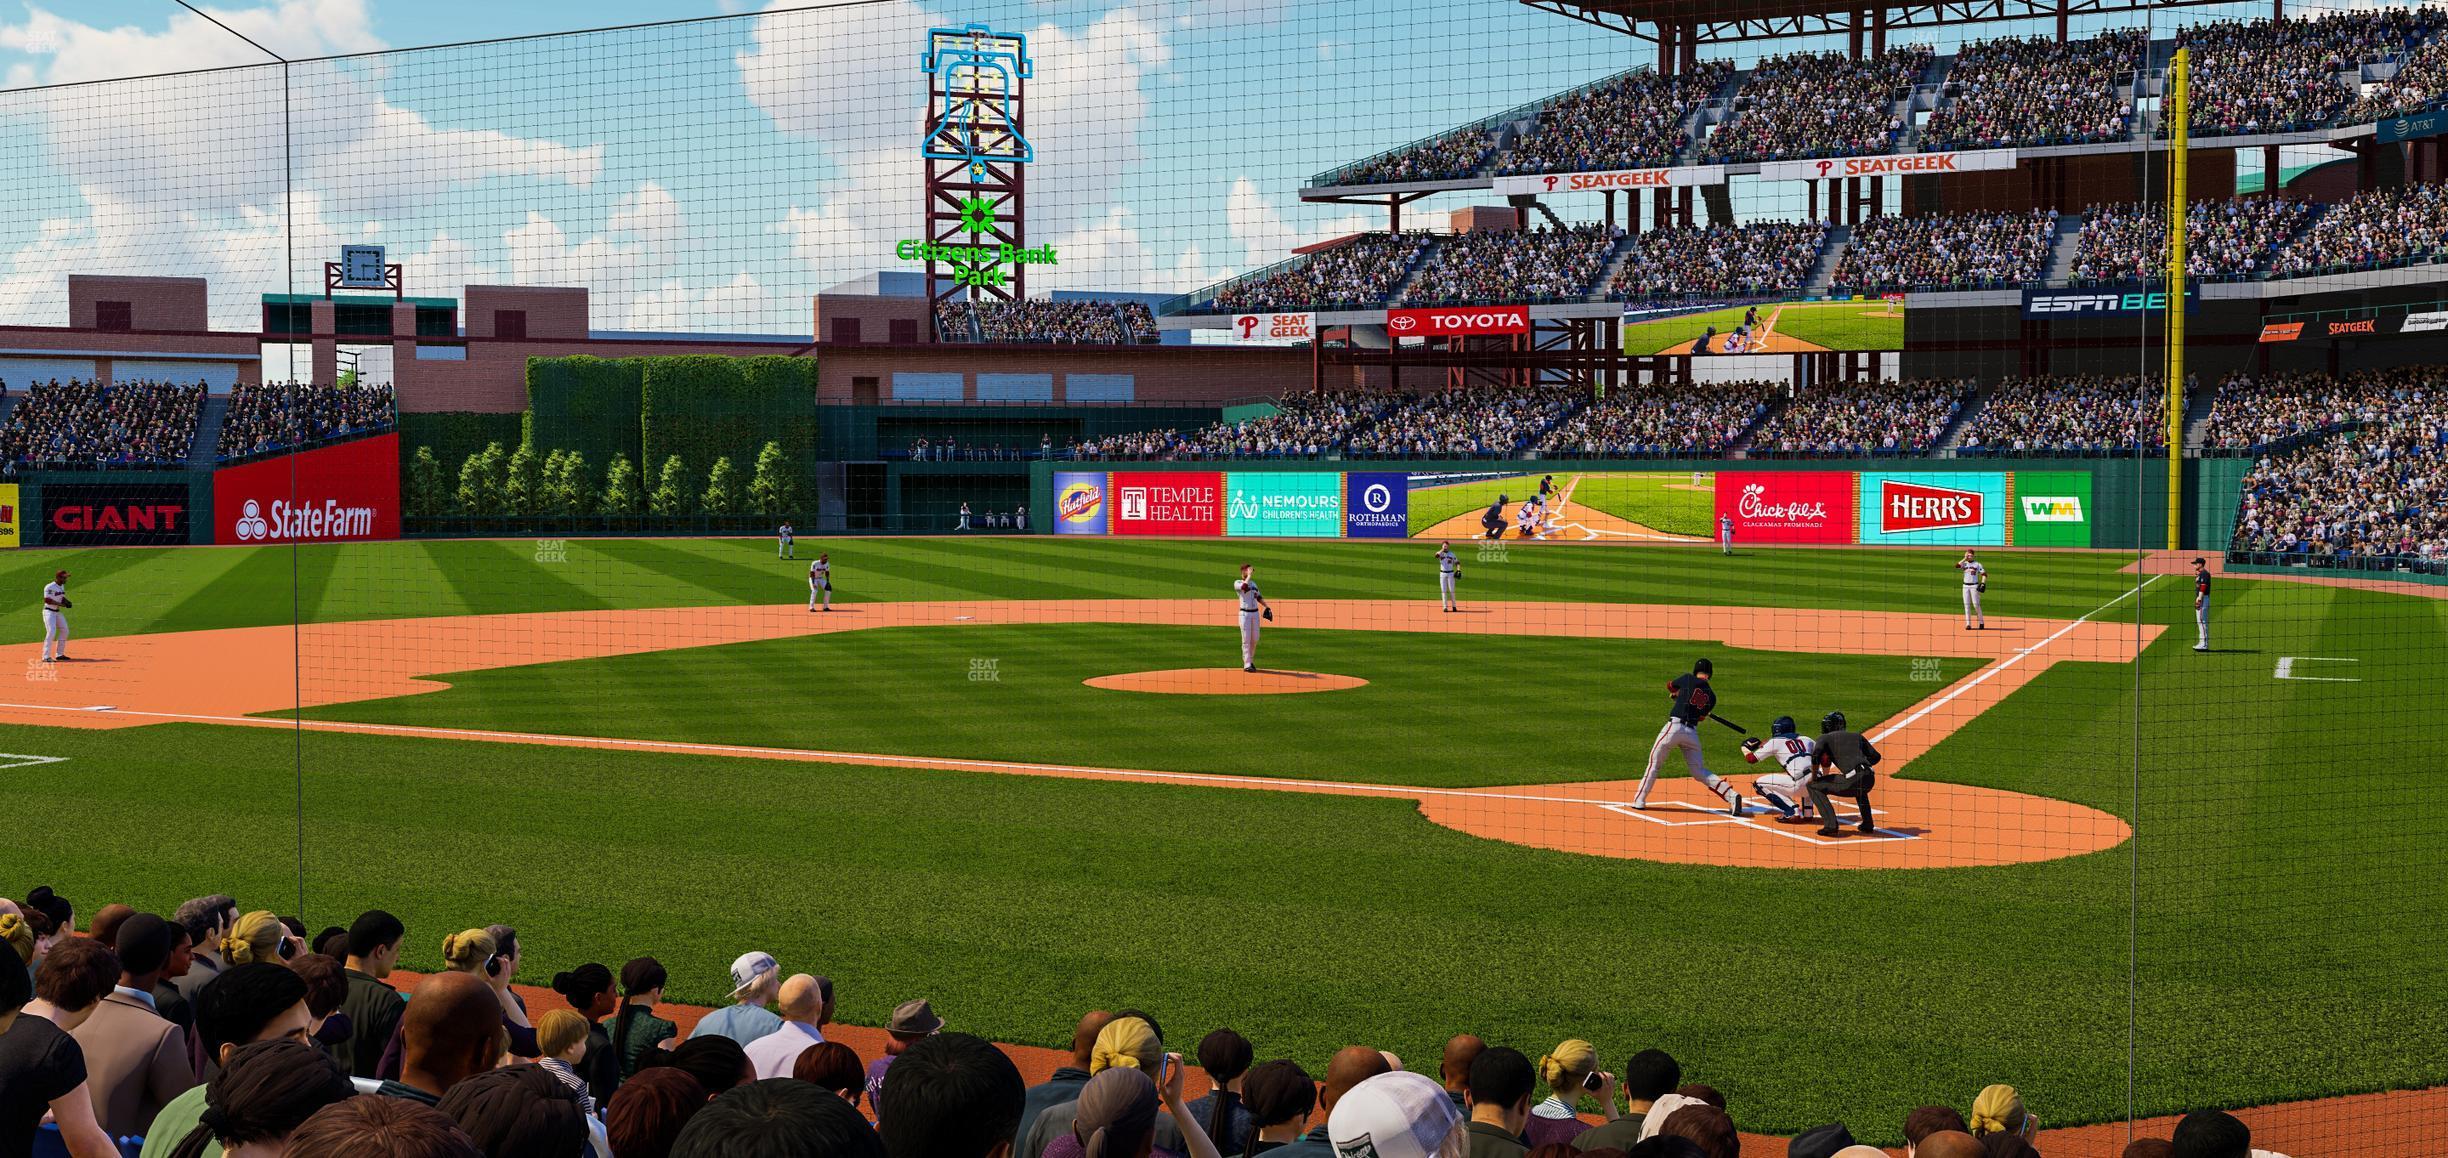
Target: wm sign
[(2052, 508)]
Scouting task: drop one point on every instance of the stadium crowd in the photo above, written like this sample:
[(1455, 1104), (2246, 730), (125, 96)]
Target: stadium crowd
[(1662, 421), (2085, 415), (2384, 227), (281, 416), (1360, 272), (1631, 121), (2267, 76), (1886, 418), (1756, 260), (2420, 83), (1445, 157), (1818, 105), (1303, 426), (218, 1032), (1465, 423), (2232, 240), (2035, 91), (1947, 251), (1502, 267), (1044, 320), (88, 424), (2375, 494), (2250, 413)]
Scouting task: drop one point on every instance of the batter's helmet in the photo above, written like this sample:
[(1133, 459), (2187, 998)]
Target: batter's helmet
[(1832, 722), (1781, 726), (1702, 667)]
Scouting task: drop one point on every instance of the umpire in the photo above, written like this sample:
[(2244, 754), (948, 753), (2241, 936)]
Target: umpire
[(1847, 767), (1493, 522)]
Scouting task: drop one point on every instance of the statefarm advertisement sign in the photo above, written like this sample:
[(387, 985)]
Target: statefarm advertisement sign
[(1954, 508), (1457, 321), (334, 494), (1676, 177), (1894, 165), (1189, 502), (1787, 506)]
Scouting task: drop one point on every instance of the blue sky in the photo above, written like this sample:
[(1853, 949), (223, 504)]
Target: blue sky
[(712, 176)]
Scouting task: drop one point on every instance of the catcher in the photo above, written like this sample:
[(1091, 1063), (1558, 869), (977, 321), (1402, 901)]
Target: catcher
[(1794, 755)]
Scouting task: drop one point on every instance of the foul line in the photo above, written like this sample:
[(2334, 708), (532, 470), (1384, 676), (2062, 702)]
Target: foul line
[(1983, 676)]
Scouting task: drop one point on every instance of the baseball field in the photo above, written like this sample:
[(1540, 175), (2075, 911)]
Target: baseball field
[(1786, 328), (651, 746)]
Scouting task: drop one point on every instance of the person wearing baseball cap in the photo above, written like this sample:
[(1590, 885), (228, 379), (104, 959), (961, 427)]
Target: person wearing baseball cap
[(755, 977), (1398, 1115), (55, 618)]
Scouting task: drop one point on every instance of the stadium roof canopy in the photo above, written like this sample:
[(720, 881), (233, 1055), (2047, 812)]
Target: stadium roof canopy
[(1724, 20)]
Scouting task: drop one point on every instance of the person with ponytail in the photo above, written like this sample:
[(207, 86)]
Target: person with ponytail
[(1999, 1110), (588, 989), (498, 970), (1567, 1072), (257, 938), (1117, 1111), (1280, 1097), (636, 1029), (266, 1091), (1130, 1041), (1225, 1055)]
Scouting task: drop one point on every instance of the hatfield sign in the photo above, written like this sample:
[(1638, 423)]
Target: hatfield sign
[(1896, 165), (1457, 321), (1612, 179), (333, 494)]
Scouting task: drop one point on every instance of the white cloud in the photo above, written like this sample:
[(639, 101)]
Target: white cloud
[(75, 51)]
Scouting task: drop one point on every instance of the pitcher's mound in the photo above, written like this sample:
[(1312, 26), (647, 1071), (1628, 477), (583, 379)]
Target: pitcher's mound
[(1226, 681)]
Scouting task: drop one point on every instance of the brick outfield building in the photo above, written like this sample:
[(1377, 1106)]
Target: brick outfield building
[(472, 355)]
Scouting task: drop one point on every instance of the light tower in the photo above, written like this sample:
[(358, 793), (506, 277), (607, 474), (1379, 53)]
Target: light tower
[(976, 155)]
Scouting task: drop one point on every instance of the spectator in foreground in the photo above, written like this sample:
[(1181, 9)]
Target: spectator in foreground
[(803, 1002), (451, 1032), (373, 1006), (264, 1093), (777, 1119), (1130, 1041), (1649, 1075), (1950, 1144), (645, 1118), (1928, 1120), (246, 1005), (1350, 1066), (1708, 1126), (754, 977), (1454, 1070), (912, 1022), (1998, 1110), (588, 989), (2149, 1148), (830, 1065), (498, 971), (380, 1128), (1566, 1073), (1822, 1142), (954, 1095), (562, 1035), (326, 990), (635, 1029), (73, 981), (207, 921), (2210, 1134), (1064, 1085), (1500, 1085), (136, 1061), (42, 1070), (718, 1063), (1226, 1056), (519, 1111), (1405, 1115), (1280, 1097)]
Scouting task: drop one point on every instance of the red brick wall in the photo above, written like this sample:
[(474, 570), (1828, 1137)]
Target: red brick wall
[(553, 312), (158, 303)]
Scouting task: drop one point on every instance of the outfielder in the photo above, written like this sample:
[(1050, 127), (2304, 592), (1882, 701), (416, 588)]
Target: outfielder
[(2201, 604), (785, 536), (1449, 572), (1694, 699), (1253, 609), (1725, 533), (1795, 754), (820, 582), (55, 618), (1975, 581)]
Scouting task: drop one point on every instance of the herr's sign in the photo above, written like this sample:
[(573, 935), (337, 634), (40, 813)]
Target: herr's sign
[(1966, 508), (1891, 165), (1457, 321), (1610, 179), (2105, 302)]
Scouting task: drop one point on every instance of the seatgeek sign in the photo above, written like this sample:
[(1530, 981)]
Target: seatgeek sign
[(1889, 165), (1611, 179), (1457, 321), (333, 494)]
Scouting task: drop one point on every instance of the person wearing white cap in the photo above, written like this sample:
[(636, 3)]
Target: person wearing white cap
[(1397, 1115), (754, 978)]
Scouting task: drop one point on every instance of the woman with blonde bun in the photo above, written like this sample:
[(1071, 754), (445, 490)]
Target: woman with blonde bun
[(257, 938), (1999, 1110), (1569, 1071)]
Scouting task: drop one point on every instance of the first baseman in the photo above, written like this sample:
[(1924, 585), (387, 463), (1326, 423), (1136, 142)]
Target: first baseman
[(1253, 609), (1794, 755), (1449, 571), (55, 618), (1694, 699), (820, 581), (2201, 604), (1975, 581)]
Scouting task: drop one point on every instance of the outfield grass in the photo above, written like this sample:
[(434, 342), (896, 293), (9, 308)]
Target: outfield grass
[(2279, 904), (1844, 325)]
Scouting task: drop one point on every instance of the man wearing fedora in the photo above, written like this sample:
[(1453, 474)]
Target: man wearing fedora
[(912, 1022)]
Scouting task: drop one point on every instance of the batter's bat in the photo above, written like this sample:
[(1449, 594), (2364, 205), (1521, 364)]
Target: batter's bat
[(1729, 723)]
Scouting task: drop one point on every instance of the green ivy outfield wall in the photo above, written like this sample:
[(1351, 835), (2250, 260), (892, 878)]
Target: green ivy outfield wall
[(2039, 502)]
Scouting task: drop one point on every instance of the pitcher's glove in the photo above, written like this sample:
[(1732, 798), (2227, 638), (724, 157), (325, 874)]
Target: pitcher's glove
[(1268, 615), (1984, 587)]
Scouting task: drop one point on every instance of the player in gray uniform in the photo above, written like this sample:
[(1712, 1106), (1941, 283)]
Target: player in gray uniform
[(1694, 699), (820, 582), (1449, 570), (1253, 609)]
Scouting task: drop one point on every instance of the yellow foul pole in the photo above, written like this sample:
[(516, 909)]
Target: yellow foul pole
[(2178, 135)]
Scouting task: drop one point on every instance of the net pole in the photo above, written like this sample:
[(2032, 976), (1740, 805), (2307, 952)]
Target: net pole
[(2179, 76)]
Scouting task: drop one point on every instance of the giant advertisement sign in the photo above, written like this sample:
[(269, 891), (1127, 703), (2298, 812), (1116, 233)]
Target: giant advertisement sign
[(334, 494), (1923, 508), (1298, 504), (2052, 508), (1890, 165), (1612, 179), (1079, 502), (1787, 506), (1457, 321), (114, 514), (1377, 505), (1189, 502)]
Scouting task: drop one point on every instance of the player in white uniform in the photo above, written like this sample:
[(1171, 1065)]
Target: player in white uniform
[(1530, 519), (55, 618), (1975, 579), (820, 582), (1253, 609), (1789, 789), (786, 536), (1725, 533), (1449, 571)]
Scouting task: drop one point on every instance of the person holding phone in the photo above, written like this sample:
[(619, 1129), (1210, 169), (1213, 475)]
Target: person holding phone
[(1569, 1071)]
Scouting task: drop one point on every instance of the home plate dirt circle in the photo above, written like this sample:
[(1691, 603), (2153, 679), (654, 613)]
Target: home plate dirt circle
[(1225, 681)]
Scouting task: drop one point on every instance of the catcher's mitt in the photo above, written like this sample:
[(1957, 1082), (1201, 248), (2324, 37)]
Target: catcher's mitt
[(1268, 615), (1752, 743)]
